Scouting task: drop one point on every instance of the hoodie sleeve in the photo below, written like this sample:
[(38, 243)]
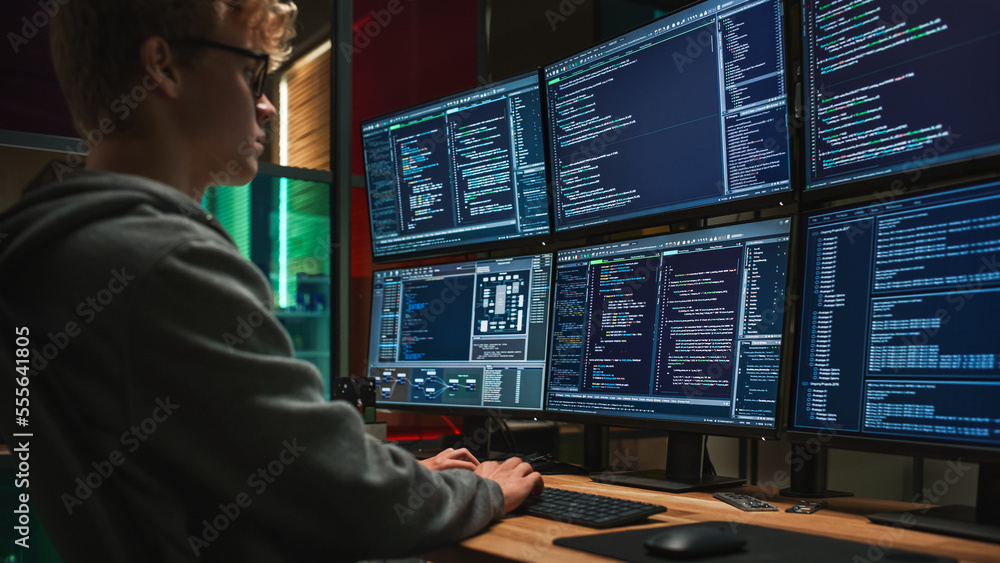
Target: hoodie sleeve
[(248, 431)]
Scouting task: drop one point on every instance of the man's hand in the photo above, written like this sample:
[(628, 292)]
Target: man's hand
[(452, 459), (516, 479)]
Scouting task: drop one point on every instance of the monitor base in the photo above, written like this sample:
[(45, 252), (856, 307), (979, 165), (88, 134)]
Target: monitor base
[(826, 493), (658, 480), (951, 520)]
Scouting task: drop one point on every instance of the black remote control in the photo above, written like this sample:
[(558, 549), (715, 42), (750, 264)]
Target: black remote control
[(807, 507), (744, 502)]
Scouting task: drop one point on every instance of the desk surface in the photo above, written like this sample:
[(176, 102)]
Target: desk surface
[(526, 538)]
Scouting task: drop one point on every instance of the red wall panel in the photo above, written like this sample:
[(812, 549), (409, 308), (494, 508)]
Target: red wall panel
[(407, 52)]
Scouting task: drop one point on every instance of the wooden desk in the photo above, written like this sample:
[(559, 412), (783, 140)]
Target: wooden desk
[(526, 538)]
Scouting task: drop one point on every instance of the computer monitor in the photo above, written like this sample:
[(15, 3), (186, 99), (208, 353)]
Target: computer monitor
[(461, 171), (686, 112), (465, 337), (682, 332), (899, 350), (899, 93)]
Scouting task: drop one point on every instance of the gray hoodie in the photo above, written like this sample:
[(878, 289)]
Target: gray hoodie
[(168, 418)]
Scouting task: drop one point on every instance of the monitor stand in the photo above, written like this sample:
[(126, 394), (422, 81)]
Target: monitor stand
[(476, 435), (808, 478), (595, 447), (688, 468), (979, 523)]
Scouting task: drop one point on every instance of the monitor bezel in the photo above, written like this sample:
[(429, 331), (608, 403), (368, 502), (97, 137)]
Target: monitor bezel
[(855, 442), (655, 218), (789, 325), (893, 447), (530, 242), (466, 410)]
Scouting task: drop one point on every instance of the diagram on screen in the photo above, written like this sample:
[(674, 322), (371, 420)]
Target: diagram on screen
[(502, 303), (448, 386), (392, 383)]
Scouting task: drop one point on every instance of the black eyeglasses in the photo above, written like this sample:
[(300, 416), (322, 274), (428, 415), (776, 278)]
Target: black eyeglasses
[(259, 74)]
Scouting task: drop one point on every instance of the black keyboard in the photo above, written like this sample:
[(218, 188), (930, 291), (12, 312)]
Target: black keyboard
[(585, 509)]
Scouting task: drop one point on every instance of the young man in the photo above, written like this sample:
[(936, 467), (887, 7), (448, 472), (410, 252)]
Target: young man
[(153, 437)]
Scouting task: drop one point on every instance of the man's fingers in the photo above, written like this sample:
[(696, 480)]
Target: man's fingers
[(465, 455)]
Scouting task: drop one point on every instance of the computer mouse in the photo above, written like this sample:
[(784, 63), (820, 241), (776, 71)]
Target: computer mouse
[(692, 541)]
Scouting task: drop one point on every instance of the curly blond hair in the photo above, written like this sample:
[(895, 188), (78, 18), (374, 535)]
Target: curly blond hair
[(95, 43)]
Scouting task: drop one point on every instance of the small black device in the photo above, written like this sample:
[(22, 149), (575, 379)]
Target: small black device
[(585, 509), (745, 502), (807, 507), (693, 540), (358, 391)]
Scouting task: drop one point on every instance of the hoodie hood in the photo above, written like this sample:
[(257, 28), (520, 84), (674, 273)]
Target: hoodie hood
[(47, 213)]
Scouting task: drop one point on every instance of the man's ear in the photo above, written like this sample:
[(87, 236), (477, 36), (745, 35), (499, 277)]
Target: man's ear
[(159, 64)]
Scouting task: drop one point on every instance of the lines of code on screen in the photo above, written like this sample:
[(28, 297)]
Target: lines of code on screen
[(464, 169), (687, 111), (899, 319), (682, 327), (883, 78)]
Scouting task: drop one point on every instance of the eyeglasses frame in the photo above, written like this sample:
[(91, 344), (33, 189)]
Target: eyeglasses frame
[(260, 75)]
